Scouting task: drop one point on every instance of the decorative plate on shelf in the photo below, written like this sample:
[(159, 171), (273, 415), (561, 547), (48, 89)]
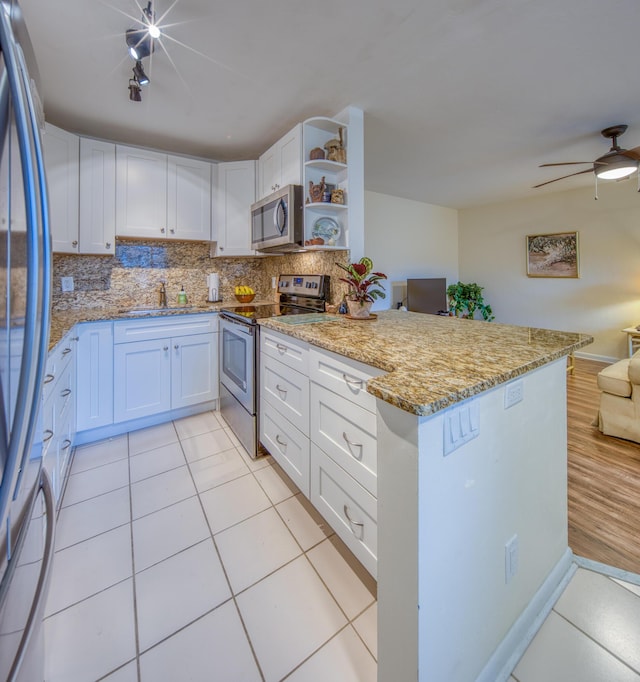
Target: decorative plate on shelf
[(327, 228)]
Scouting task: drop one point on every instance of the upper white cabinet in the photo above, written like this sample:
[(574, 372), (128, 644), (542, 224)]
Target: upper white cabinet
[(97, 197), (159, 196), (188, 198), (141, 193), (61, 156), (235, 192), (281, 164)]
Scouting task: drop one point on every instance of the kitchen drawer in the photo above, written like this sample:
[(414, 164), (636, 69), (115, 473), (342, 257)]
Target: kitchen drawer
[(288, 446), (163, 327), (347, 433), (287, 390), (286, 349), (348, 508), (57, 361), (343, 376)]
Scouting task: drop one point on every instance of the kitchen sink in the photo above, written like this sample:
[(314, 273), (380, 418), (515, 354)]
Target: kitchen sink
[(149, 311)]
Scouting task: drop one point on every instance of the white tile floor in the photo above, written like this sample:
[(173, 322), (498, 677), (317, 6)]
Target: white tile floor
[(180, 558)]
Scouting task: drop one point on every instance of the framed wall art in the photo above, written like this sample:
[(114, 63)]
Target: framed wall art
[(553, 255)]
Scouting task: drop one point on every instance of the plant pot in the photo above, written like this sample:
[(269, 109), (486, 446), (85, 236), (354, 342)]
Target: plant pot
[(359, 308)]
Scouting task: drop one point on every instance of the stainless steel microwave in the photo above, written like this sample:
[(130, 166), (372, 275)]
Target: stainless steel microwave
[(277, 221)]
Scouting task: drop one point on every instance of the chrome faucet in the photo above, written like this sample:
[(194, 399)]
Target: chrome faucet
[(163, 295)]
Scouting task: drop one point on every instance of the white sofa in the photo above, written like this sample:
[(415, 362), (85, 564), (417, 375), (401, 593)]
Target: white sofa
[(619, 413)]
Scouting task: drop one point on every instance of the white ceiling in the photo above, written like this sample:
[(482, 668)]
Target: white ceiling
[(463, 99)]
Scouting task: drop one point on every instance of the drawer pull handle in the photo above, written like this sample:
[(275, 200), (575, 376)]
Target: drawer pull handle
[(282, 390), (48, 378), (48, 436), (65, 393), (165, 348), (349, 519), (280, 442), (67, 444), (351, 444), (281, 348), (66, 350), (356, 383)]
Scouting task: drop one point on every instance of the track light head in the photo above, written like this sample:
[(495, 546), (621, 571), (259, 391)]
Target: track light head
[(139, 42), (139, 74), (135, 94)]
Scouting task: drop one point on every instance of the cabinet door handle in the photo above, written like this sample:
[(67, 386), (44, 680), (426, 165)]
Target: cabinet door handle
[(356, 383), (165, 348), (74, 243), (350, 520), (282, 390), (75, 338), (176, 346), (280, 442), (172, 231), (48, 378), (162, 230), (66, 351), (66, 392), (48, 436), (107, 245), (351, 444), (67, 444)]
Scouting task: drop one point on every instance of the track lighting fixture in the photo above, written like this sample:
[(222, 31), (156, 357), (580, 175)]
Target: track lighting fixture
[(139, 74), (135, 94)]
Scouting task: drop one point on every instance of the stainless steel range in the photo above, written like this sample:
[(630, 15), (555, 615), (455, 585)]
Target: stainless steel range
[(239, 350)]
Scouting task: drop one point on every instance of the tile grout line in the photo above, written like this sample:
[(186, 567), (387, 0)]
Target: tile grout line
[(224, 570)]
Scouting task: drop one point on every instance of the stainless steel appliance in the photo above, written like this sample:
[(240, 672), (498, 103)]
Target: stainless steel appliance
[(277, 221), (26, 502), (240, 345)]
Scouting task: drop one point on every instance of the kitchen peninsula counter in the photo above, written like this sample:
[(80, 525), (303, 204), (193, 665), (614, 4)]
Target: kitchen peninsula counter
[(434, 361)]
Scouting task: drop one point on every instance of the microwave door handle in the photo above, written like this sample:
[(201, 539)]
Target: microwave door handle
[(280, 226)]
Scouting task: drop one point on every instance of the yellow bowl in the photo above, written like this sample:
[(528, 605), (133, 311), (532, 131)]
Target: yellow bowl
[(245, 298)]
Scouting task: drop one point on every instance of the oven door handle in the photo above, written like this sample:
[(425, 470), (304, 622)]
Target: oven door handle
[(243, 327)]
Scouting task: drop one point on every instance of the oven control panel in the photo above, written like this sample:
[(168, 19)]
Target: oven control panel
[(303, 285)]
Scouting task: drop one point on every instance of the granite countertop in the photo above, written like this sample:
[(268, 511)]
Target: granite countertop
[(431, 361), (64, 320)]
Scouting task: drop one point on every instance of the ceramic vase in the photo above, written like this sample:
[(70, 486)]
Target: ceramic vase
[(359, 308)]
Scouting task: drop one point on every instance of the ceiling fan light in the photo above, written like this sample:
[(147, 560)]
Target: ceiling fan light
[(615, 167)]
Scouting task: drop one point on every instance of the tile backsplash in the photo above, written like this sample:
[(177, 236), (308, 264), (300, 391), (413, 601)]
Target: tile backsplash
[(132, 277)]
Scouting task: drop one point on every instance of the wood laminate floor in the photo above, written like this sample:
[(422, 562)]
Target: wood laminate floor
[(604, 480)]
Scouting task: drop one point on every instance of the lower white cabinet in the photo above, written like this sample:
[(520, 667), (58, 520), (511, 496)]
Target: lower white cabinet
[(95, 375), (161, 365), (348, 508), (59, 412)]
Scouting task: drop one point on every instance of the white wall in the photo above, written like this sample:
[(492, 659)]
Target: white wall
[(606, 297), (407, 238)]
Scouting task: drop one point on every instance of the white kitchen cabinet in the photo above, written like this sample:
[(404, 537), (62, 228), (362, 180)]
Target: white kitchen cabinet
[(188, 198), (61, 157), (160, 196), (142, 379), (95, 375), (97, 231), (163, 364), (141, 193), (281, 164), (235, 192)]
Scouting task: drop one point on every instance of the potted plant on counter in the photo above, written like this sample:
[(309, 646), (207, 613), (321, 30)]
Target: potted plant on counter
[(465, 299), (363, 287)]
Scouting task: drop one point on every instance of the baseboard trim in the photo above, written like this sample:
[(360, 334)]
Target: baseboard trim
[(515, 643), (597, 358), (609, 571)]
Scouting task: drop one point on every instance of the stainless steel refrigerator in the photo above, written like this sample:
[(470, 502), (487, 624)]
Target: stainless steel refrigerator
[(27, 516)]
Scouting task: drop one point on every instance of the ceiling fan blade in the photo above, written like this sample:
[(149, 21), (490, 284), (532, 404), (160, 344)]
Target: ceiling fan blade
[(548, 182), (633, 153), (566, 163)]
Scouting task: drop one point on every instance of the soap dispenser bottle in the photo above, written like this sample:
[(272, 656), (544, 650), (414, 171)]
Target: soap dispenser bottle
[(182, 296)]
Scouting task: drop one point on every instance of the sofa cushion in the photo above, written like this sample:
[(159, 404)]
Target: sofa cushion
[(615, 379)]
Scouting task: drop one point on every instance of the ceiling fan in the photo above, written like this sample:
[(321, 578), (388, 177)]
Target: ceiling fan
[(616, 164)]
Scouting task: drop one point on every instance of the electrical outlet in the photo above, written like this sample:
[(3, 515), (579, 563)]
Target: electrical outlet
[(511, 559), (514, 393), (274, 283), (66, 283)]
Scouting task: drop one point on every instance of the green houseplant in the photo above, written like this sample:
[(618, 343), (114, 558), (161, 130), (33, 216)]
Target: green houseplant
[(363, 286), (465, 299)]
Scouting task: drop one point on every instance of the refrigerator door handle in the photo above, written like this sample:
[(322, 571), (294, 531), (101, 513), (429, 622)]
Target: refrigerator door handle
[(37, 607)]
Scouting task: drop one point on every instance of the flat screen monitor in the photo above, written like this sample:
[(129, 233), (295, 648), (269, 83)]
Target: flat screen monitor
[(427, 295)]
